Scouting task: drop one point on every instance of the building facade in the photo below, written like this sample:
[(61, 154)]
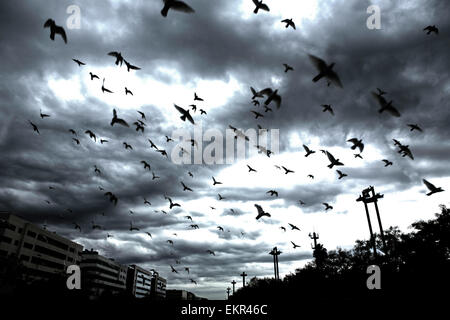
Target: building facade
[(158, 287), (42, 253), (139, 282)]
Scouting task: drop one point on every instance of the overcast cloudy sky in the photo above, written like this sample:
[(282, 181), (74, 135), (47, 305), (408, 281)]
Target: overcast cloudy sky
[(219, 52)]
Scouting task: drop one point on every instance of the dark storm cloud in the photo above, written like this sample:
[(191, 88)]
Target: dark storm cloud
[(212, 44)]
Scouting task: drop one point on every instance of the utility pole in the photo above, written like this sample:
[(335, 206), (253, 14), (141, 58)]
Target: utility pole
[(275, 253), (233, 283), (314, 237), (228, 292), (369, 196), (243, 275)]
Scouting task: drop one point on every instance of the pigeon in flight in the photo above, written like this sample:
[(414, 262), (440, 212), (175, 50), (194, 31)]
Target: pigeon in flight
[(117, 120), (187, 270), (250, 169), (220, 228), (333, 160), (257, 114), (73, 132), (185, 114), (310, 176), (431, 29), (76, 141), (112, 197), (154, 176), (287, 67), (289, 23), (215, 182), (220, 196), (146, 165), (325, 71), (170, 242), (381, 92), (147, 202), (256, 94), (103, 141), (266, 109), (357, 155), (127, 146), (415, 127), (327, 206), (190, 174), (295, 245), (188, 217), (139, 126), (341, 174), (93, 76), (286, 170), (91, 135), (118, 56), (197, 98), (356, 144), (104, 88), (128, 91), (387, 163), (133, 228), (294, 227), (35, 128), (173, 269), (78, 62), (386, 106), (177, 6), (193, 281), (163, 153), (260, 5), (283, 228), (262, 149), (433, 189), (194, 226), (202, 112), (327, 107), (130, 66), (273, 193), (142, 115), (55, 29), (255, 103), (149, 234), (272, 95), (261, 212), (43, 115), (308, 151), (77, 226), (172, 204), (152, 145), (211, 252), (301, 202), (185, 188)]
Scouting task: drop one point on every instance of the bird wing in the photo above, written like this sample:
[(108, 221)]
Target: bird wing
[(113, 54), (264, 6), (49, 22), (429, 185), (181, 6), (393, 111), (122, 122), (62, 32), (260, 210), (353, 140), (277, 99), (333, 77), (317, 62), (189, 117), (330, 157), (266, 91), (181, 110)]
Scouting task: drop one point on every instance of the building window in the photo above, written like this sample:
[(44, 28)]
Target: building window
[(31, 234), (5, 239), (16, 243), (24, 258), (28, 245)]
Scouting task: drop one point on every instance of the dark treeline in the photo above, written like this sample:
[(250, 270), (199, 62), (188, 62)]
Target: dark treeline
[(415, 267)]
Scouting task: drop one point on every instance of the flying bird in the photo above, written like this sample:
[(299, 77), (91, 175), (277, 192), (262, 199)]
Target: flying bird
[(272, 95), (185, 114), (357, 155), (78, 62), (220, 196), (215, 181), (220, 228), (149, 234), (152, 145), (76, 141), (260, 5), (112, 197), (142, 115), (202, 112), (341, 174), (415, 127), (283, 228), (147, 202), (211, 252), (325, 71), (255, 103), (289, 23), (261, 212), (327, 107), (172, 204), (154, 176), (130, 66), (256, 94), (185, 188), (327, 206), (127, 146), (93, 76), (104, 88), (128, 91), (387, 163), (193, 281), (385, 106), (295, 245), (433, 189), (197, 98), (257, 114), (287, 67), (294, 227), (35, 128), (308, 151), (117, 120), (431, 29), (43, 115), (77, 226), (103, 141), (286, 171), (250, 169), (133, 228), (118, 56), (273, 193), (170, 242), (173, 269), (91, 135), (356, 144), (139, 126), (146, 164), (177, 6), (333, 160), (310, 176), (55, 29)]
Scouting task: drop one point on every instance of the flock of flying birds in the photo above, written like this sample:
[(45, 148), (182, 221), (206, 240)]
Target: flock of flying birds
[(265, 98)]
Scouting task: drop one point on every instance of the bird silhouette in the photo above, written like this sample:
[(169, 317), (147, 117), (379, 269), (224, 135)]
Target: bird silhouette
[(127, 146), (250, 169), (103, 141), (261, 212), (194, 226), (77, 226), (294, 227), (295, 245), (289, 23), (91, 135), (97, 170), (93, 76), (197, 98), (220, 196), (193, 107), (133, 228), (211, 252), (96, 226), (118, 56), (308, 151), (127, 91), (266, 109), (163, 153), (272, 95), (301, 202), (341, 174), (286, 171), (273, 193), (104, 89), (283, 228), (172, 204), (260, 5), (310, 176), (177, 6), (220, 228), (55, 29), (112, 197), (431, 29), (147, 202), (149, 234), (170, 242), (215, 181), (139, 126), (173, 269), (73, 132), (152, 145), (327, 206), (333, 160), (327, 107), (256, 94), (117, 120), (433, 189), (357, 155), (187, 270), (185, 114), (185, 188), (193, 281), (325, 71), (381, 92), (190, 174), (255, 103), (146, 164), (202, 112), (130, 66), (35, 128), (76, 141), (154, 176), (387, 163), (287, 67), (188, 217), (142, 115), (78, 62), (257, 114), (43, 115), (385, 106), (415, 127), (356, 144)]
